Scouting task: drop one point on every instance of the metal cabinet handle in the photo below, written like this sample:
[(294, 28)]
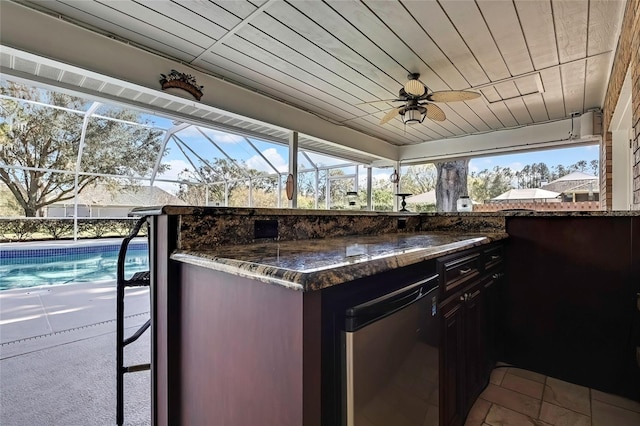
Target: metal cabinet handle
[(464, 271), (495, 276), (464, 297), (495, 257)]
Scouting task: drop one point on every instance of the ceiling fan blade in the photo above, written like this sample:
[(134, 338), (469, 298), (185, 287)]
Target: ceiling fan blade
[(434, 112), (382, 100), (389, 115), (452, 96)]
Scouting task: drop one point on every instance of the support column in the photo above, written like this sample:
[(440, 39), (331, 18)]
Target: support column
[(369, 188)]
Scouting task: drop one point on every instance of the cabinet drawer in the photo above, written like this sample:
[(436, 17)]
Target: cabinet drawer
[(457, 271), (493, 256)]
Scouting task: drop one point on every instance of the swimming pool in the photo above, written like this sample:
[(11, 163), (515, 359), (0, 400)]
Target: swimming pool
[(24, 266)]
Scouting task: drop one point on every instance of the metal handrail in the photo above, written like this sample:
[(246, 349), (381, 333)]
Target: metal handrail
[(121, 342)]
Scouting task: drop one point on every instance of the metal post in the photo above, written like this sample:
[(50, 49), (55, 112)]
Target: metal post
[(369, 188), (76, 179)]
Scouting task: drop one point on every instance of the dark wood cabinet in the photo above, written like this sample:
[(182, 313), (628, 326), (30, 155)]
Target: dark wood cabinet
[(632, 352), (571, 300), (493, 285), (475, 341), (470, 289), (559, 297), (452, 360), (493, 318)]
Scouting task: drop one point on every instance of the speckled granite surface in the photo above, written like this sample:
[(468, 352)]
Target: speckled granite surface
[(463, 223), (315, 264), (254, 211), (247, 211), (201, 232), (507, 213), (309, 249)]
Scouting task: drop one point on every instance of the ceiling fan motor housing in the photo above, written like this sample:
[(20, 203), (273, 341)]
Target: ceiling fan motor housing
[(414, 87)]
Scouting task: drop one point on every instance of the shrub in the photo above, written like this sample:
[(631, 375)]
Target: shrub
[(18, 229), (59, 228)]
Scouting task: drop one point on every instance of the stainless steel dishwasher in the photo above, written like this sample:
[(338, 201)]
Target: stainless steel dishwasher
[(390, 354)]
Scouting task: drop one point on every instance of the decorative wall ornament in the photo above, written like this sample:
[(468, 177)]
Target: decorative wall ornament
[(289, 186), (179, 80), (395, 177)]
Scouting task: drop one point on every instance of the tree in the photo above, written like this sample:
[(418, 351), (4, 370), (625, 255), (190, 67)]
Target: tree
[(579, 166), (8, 203), (559, 171), (210, 178), (43, 138), (382, 194), (451, 184), (338, 188), (488, 184), (532, 175), (419, 179)]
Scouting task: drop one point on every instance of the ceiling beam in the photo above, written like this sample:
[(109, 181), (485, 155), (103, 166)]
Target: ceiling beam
[(234, 30), (554, 134)]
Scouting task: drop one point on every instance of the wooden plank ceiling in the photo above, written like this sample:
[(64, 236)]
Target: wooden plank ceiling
[(532, 60)]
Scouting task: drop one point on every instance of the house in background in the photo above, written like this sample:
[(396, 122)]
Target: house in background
[(575, 191), (423, 202), (526, 195), (576, 186), (104, 201), (428, 197)]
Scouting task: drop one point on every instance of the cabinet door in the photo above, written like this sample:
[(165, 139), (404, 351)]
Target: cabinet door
[(493, 319), (475, 348), (572, 310), (452, 363)]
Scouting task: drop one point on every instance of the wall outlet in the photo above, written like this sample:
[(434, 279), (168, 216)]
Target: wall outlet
[(265, 229)]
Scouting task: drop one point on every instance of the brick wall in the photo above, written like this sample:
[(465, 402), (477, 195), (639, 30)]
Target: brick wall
[(606, 171), (627, 57), (540, 206)]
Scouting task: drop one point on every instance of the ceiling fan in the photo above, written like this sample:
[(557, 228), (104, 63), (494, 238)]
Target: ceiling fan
[(418, 102)]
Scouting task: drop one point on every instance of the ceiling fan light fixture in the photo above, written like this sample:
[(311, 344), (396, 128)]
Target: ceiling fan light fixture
[(414, 115), (414, 87)]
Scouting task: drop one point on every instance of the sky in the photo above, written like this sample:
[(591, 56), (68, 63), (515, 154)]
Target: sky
[(564, 156)]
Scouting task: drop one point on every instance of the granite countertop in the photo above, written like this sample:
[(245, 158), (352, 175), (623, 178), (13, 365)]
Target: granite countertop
[(309, 265), (251, 211)]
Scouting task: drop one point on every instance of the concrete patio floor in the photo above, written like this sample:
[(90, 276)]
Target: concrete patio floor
[(57, 356)]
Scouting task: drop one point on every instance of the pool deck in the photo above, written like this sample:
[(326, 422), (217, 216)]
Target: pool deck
[(57, 355)]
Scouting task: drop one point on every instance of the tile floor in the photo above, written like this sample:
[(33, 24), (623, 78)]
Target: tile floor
[(516, 397)]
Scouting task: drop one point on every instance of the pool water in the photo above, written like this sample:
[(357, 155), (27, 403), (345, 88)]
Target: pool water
[(30, 268)]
